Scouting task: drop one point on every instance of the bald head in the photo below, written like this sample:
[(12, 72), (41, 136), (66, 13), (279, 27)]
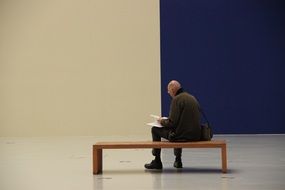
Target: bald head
[(173, 87)]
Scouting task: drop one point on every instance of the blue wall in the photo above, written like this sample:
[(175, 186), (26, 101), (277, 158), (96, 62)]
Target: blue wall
[(231, 55)]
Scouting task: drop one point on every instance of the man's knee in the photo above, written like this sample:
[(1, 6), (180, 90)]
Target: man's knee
[(156, 136), (154, 130)]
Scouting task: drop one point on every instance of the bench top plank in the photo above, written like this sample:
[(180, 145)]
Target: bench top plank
[(162, 144)]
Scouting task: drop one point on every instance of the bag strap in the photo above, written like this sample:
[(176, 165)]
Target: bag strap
[(206, 119), (203, 114)]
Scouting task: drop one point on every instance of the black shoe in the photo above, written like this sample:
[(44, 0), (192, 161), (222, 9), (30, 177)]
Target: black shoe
[(154, 165), (177, 164)]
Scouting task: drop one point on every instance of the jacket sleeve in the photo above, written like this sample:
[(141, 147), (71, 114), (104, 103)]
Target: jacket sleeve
[(174, 115)]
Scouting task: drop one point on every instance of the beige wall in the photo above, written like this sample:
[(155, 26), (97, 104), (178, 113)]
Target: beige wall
[(78, 67)]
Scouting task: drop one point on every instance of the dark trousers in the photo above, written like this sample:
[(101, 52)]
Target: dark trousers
[(157, 134)]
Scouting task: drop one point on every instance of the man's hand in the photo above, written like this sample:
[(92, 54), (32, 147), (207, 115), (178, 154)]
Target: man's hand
[(159, 120)]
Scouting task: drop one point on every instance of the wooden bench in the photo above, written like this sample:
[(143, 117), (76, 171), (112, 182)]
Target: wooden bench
[(99, 146)]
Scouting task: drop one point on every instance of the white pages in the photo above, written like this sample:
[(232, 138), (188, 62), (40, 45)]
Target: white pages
[(155, 123)]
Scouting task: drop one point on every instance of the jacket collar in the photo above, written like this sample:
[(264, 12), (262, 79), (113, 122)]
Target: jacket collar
[(179, 91)]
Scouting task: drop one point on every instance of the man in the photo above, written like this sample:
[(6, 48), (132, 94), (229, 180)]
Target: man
[(183, 124)]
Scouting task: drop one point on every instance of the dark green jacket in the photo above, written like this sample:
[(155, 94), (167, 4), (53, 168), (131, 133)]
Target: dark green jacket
[(184, 117)]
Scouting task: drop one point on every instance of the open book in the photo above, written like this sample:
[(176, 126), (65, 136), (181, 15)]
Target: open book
[(155, 123)]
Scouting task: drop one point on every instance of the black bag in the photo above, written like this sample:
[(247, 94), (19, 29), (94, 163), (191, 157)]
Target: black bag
[(206, 132)]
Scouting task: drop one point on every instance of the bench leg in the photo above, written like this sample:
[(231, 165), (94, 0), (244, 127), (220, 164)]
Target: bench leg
[(224, 158), (97, 161)]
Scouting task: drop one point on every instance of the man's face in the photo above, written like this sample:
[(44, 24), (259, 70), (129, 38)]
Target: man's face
[(170, 91)]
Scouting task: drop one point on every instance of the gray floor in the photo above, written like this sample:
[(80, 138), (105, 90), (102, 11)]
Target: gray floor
[(255, 162)]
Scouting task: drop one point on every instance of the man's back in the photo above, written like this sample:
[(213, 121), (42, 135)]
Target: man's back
[(185, 116)]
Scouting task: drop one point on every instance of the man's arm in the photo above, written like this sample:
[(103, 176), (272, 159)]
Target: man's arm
[(173, 115)]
